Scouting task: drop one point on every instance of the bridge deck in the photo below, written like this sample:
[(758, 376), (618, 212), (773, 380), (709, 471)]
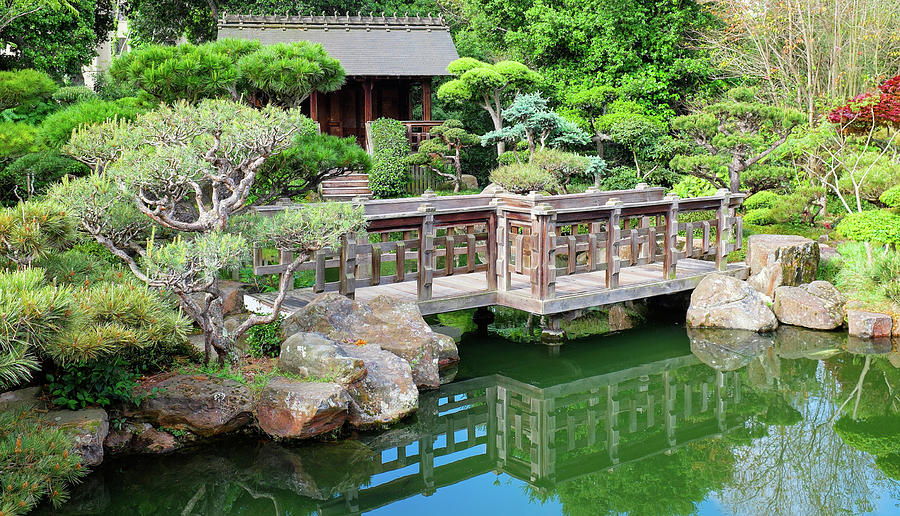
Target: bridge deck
[(462, 291)]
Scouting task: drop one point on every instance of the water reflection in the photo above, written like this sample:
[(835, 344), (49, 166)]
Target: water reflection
[(732, 422)]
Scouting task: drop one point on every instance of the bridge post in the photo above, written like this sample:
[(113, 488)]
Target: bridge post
[(543, 257), (613, 235), (492, 254), (502, 238), (347, 285), (722, 228), (426, 252), (670, 257)]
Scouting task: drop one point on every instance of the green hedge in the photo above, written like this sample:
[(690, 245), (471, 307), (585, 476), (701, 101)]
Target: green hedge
[(764, 199), (879, 226), (389, 148)]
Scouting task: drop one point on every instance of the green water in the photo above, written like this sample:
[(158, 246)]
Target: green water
[(644, 422)]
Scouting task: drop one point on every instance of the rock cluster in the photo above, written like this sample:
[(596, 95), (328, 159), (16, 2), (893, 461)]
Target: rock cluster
[(394, 326), (721, 301), (783, 270), (777, 260)]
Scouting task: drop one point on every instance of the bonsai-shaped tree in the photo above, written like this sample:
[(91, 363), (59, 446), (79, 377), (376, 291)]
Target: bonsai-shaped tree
[(593, 104), (313, 157), (283, 74), (732, 135), (445, 147), (532, 121), (183, 174), (491, 86)]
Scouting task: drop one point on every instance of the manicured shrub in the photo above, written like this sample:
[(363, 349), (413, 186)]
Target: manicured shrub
[(284, 73), (20, 87), (40, 170), (879, 226), (522, 178), (692, 186), (390, 147), (764, 199), (35, 462), (57, 128), (73, 95), (800, 206), (563, 166), (759, 217), (16, 140), (891, 197), (620, 178), (312, 158)]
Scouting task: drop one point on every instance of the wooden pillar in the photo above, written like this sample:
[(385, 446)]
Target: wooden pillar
[(426, 99), (543, 255), (314, 106), (669, 252), (613, 234), (721, 229), (503, 252), (347, 284), (368, 109), (426, 252), (491, 252)]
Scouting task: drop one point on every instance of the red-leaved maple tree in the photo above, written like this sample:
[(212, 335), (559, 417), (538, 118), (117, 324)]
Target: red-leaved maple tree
[(870, 110)]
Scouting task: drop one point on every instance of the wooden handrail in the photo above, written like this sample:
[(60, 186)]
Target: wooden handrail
[(542, 237)]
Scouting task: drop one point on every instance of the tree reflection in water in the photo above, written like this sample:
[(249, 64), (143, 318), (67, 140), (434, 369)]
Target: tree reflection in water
[(782, 424)]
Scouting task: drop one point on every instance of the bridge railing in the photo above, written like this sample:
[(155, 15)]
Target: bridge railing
[(542, 237)]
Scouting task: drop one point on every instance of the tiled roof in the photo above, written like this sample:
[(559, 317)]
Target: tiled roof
[(406, 46)]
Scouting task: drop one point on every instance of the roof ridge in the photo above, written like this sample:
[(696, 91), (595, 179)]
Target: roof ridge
[(370, 21)]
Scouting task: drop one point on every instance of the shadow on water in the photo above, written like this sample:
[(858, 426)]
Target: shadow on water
[(654, 421)]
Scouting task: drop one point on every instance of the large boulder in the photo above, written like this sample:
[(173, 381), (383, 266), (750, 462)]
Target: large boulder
[(393, 325), (205, 405), (387, 394), (290, 409), (797, 258), (817, 305), (721, 301), (869, 325), (88, 427), (314, 355)]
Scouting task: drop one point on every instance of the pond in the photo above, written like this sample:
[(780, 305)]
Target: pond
[(648, 422)]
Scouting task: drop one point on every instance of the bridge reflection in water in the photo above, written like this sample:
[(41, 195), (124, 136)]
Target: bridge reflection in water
[(551, 435)]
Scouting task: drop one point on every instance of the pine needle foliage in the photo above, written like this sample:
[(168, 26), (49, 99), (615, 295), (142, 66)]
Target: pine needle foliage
[(35, 462)]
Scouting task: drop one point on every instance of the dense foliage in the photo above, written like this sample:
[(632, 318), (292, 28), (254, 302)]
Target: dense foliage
[(149, 168), (35, 462), (445, 147), (283, 74), (390, 147)]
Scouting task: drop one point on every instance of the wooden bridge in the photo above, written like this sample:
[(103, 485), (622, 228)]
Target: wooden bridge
[(548, 436), (541, 254)]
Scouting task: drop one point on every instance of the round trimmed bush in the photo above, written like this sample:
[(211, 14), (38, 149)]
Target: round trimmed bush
[(880, 226), (759, 217), (764, 199), (522, 178), (891, 197)]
